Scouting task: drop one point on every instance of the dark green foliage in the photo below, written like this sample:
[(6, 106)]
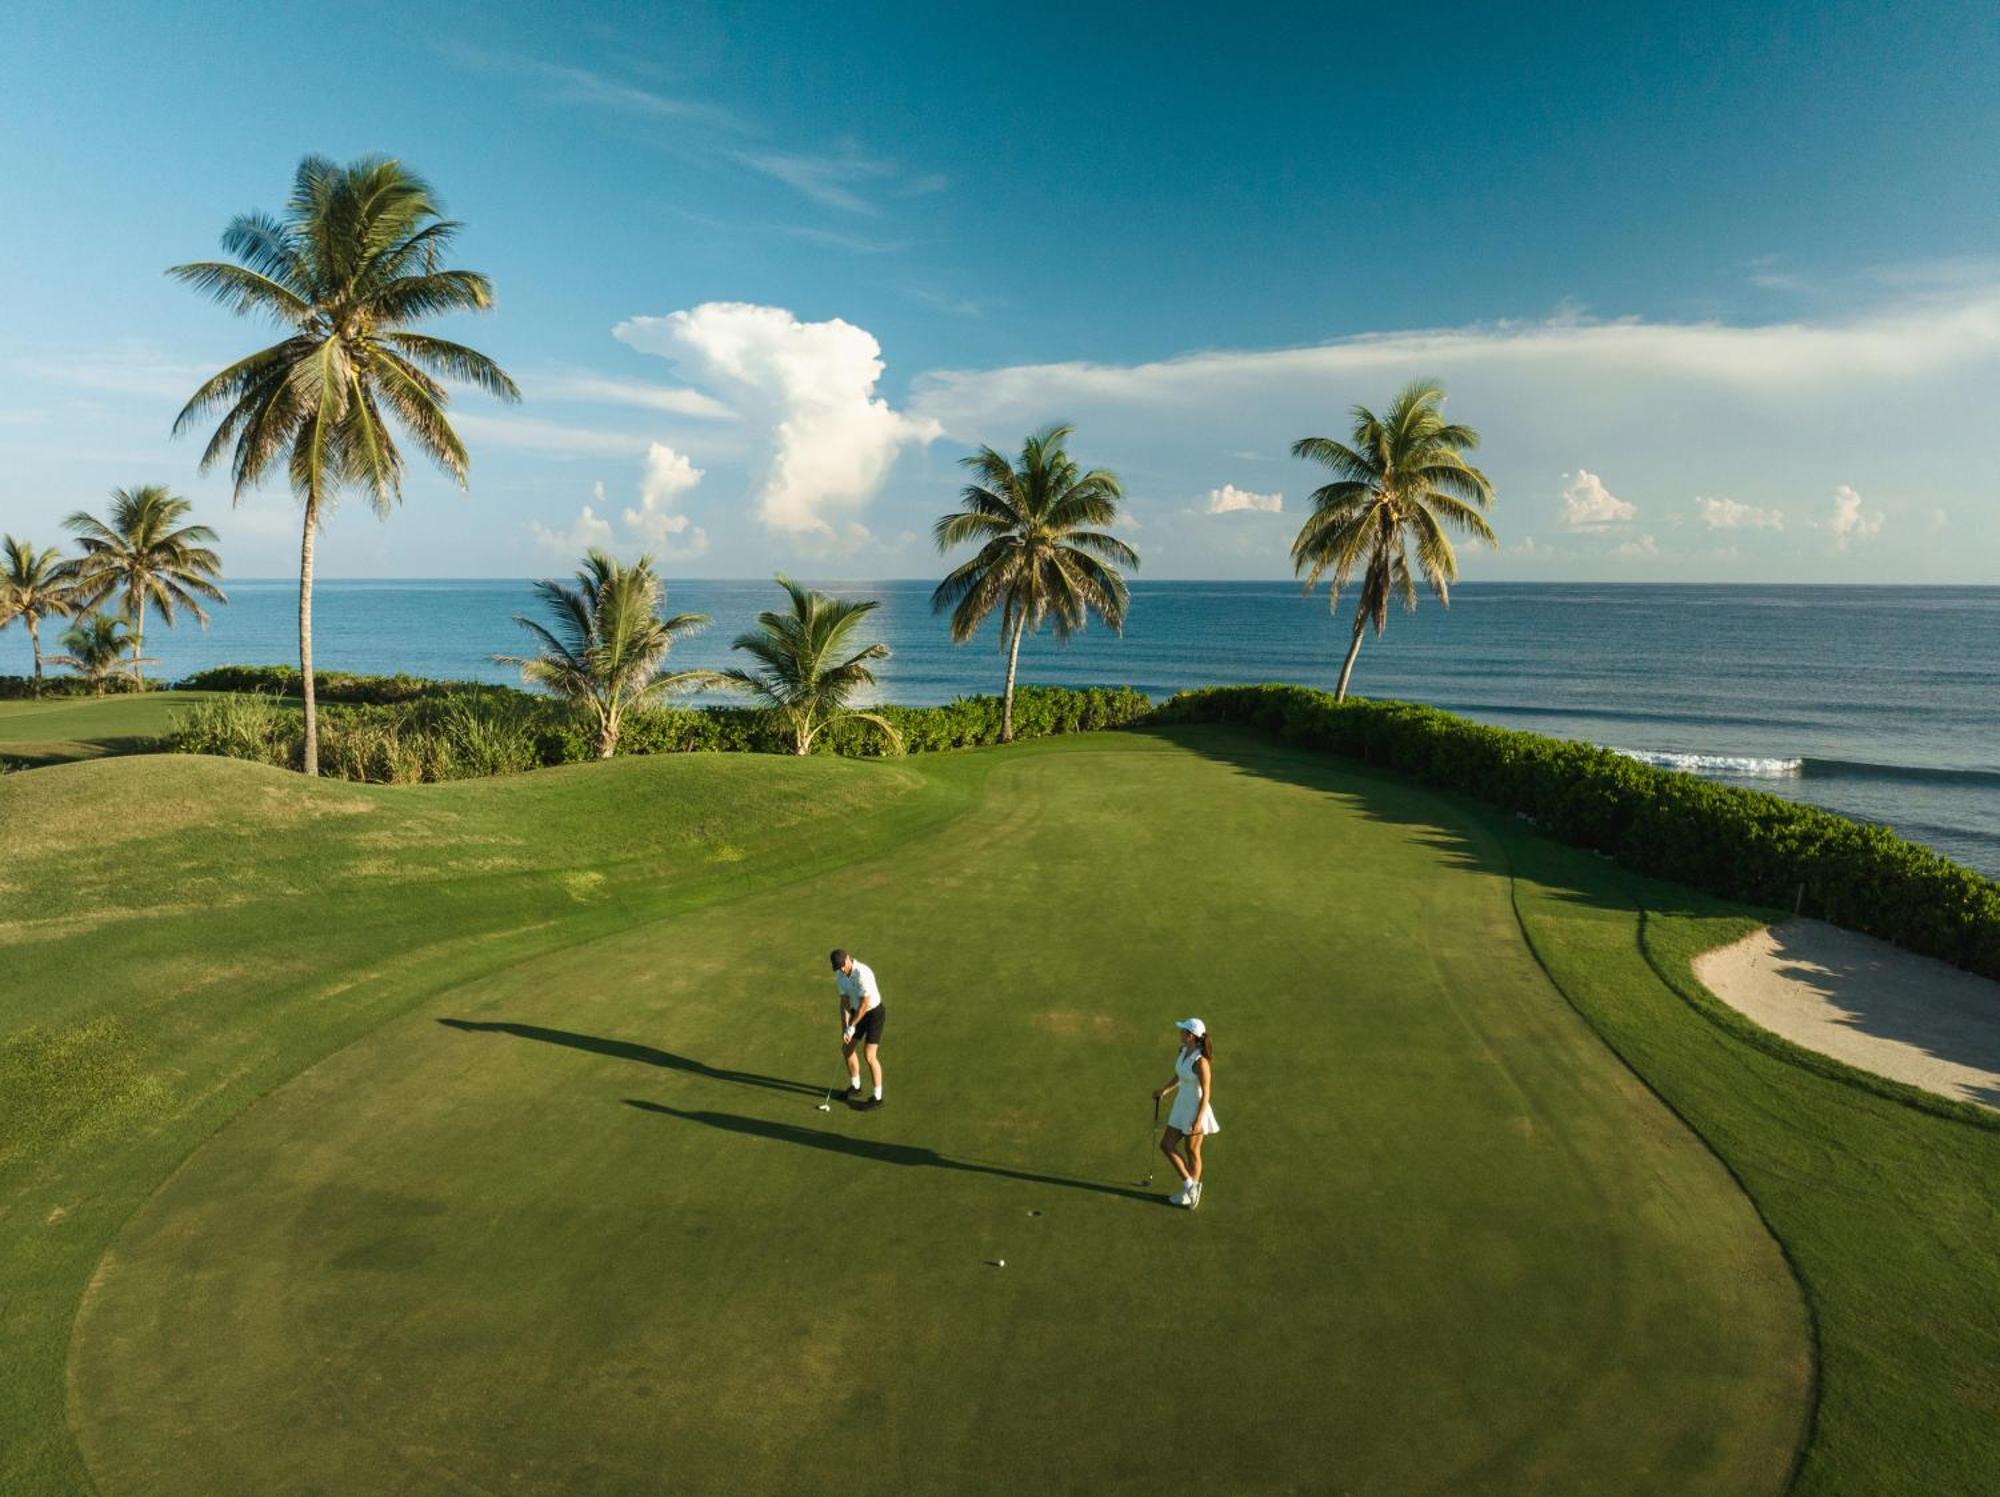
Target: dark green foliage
[(332, 686), (1737, 843), (20, 688)]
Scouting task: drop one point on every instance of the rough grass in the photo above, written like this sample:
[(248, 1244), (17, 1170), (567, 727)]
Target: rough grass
[(592, 1235)]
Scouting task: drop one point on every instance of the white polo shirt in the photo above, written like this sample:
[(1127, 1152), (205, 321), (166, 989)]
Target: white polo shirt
[(857, 987)]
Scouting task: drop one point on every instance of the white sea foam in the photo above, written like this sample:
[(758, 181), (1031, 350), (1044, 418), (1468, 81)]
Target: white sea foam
[(1734, 766)]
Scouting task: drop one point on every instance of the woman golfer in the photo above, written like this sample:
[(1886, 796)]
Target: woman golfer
[(1193, 1118)]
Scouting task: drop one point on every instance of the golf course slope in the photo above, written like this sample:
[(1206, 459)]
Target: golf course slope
[(465, 1139)]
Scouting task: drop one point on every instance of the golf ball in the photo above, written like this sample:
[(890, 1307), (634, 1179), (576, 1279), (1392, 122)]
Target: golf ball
[(1003, 1262)]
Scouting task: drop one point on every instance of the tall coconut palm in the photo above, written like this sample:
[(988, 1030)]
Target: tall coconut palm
[(95, 645), (1401, 481), (146, 557), (608, 643), (802, 676), (1044, 554), (353, 261), (34, 585)]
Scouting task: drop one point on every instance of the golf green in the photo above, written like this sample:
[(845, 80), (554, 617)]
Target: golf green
[(569, 1219), (53, 730)]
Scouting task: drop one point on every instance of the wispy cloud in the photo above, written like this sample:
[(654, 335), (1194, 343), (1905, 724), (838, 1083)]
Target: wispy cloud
[(583, 386), (532, 434), (128, 367), (561, 84), (944, 301), (853, 244), (847, 178), (1891, 342), (1731, 514)]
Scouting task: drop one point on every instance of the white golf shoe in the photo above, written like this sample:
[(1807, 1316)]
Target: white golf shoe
[(1180, 1197), (1194, 1194)]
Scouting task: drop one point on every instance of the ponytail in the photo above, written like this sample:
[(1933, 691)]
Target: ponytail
[(1207, 1049)]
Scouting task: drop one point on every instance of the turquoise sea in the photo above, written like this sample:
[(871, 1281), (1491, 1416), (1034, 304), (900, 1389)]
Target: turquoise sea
[(1882, 703)]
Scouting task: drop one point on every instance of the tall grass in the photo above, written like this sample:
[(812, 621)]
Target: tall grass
[(421, 741)]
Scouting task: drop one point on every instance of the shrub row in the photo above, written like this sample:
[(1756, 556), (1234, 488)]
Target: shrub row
[(334, 686), (14, 688), (1742, 844), (480, 730)]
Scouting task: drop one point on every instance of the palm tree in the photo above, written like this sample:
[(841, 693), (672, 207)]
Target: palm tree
[(34, 585), (799, 678), (1044, 556), (95, 646), (352, 262), (145, 554), (1401, 481), (609, 643)]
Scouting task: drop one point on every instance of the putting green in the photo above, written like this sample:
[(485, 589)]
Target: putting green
[(54, 730), (577, 1226)]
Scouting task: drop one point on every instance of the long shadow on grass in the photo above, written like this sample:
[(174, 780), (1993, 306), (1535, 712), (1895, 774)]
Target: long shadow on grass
[(666, 1060), (883, 1153), (1393, 799), (1872, 1003)]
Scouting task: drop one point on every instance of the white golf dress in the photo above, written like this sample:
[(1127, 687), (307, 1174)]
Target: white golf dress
[(1189, 1097)]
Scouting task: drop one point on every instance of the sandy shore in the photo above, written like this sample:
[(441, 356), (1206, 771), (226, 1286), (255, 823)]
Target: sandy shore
[(1867, 1003)]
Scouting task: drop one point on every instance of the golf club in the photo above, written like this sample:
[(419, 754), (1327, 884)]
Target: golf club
[(1149, 1142), (826, 1102)]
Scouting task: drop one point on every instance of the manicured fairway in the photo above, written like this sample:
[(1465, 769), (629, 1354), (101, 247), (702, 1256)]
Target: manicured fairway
[(54, 730), (561, 1215)]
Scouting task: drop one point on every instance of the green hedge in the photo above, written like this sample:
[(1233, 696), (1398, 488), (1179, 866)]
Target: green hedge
[(1741, 844), (334, 686), (471, 730), (15, 688)]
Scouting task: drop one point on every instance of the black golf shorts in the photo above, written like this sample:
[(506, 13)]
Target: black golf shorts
[(869, 1030)]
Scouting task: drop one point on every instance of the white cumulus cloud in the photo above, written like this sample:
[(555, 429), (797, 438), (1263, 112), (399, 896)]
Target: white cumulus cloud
[(809, 390), (1849, 523), (1731, 514), (668, 475), (1589, 505), (1644, 546), (587, 531), (1229, 499)]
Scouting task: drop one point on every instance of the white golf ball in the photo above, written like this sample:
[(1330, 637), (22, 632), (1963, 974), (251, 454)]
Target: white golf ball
[(1003, 1262)]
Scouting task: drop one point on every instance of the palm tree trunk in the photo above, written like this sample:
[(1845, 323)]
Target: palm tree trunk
[(607, 734), (1007, 699), (309, 761), (1353, 649), (138, 641), (35, 639)]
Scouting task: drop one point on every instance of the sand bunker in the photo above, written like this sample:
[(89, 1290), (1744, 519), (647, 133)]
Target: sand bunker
[(1867, 1003)]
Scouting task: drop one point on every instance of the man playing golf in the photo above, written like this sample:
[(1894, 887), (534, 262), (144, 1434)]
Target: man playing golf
[(860, 1024)]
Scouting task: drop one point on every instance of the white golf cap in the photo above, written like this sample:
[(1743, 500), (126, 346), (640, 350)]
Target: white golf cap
[(1193, 1026)]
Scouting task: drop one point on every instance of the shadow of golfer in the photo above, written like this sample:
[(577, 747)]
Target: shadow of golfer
[(627, 1050), (882, 1153)]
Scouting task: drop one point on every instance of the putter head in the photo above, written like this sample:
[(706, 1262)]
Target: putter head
[(825, 1107)]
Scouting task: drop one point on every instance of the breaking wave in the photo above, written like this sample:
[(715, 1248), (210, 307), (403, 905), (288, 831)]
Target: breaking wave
[(1721, 766)]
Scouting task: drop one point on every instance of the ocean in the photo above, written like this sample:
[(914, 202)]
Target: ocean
[(1881, 703)]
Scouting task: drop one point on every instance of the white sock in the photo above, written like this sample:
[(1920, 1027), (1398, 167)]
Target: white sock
[(854, 1083), (878, 1094)]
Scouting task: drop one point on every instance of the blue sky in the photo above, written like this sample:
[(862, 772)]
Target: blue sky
[(1720, 284)]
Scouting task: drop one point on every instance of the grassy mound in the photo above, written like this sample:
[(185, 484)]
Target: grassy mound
[(537, 1197)]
